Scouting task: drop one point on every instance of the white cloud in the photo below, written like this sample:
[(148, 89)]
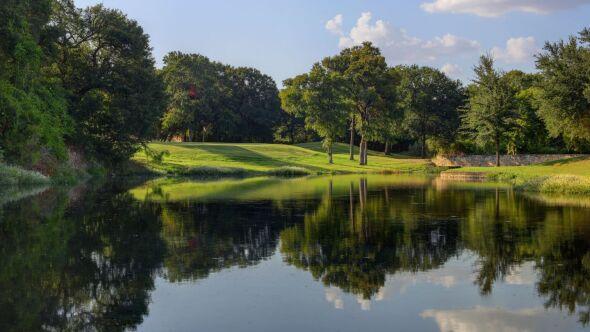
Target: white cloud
[(517, 50), (334, 296), (524, 274), (335, 25), (495, 8), (399, 47), (364, 31), (452, 70), (499, 319)]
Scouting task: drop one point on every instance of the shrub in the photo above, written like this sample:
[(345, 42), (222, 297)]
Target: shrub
[(13, 176), (289, 171)]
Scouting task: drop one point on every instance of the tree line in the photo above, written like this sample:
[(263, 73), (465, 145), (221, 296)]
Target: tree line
[(85, 80), (501, 112), (71, 77)]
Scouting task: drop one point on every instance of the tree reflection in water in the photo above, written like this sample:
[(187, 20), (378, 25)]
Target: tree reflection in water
[(89, 262), (88, 267)]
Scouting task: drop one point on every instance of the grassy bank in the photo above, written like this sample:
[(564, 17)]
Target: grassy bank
[(225, 159), (16, 176), (567, 176)]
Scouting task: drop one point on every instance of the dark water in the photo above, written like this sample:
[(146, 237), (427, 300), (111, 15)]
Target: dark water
[(343, 253)]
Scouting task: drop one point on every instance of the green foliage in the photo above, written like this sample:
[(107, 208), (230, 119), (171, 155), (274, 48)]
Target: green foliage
[(33, 116), (83, 78), (369, 89), (106, 65), (490, 115), (320, 98), (430, 101), (16, 176), (212, 101), (565, 94), (529, 133)]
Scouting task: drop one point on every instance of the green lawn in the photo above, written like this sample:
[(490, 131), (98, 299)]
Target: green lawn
[(567, 176), (253, 157), (574, 166)]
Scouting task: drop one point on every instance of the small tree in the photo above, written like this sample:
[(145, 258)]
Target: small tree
[(489, 116), (319, 96)]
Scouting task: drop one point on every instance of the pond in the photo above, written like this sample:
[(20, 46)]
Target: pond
[(330, 253)]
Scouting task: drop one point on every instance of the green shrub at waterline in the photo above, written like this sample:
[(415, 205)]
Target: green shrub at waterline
[(212, 171), (15, 176), (554, 184)]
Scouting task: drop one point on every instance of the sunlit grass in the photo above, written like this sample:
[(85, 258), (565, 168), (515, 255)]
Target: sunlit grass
[(567, 176), (574, 166), (192, 158)]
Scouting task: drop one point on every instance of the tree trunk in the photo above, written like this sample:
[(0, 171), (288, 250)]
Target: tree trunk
[(352, 138), (363, 151), (423, 152), (497, 152), (330, 159), (351, 205), (386, 151)]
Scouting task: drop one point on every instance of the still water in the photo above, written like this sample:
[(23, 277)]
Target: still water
[(337, 253)]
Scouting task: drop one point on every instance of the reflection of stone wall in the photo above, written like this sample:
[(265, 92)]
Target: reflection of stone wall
[(505, 160)]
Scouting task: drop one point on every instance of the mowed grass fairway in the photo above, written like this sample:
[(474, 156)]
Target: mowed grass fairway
[(566, 176), (256, 157), (574, 166)]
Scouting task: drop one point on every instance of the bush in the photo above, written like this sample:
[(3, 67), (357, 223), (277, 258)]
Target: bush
[(15, 176), (289, 171), (555, 184), (209, 171)]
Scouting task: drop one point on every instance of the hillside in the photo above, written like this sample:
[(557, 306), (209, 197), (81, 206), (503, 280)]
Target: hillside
[(253, 157)]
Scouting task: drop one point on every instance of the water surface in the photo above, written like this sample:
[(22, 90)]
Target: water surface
[(335, 253)]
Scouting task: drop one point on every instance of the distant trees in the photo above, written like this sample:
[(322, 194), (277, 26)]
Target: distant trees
[(212, 100), (430, 100), (529, 133), (85, 78), (490, 114)]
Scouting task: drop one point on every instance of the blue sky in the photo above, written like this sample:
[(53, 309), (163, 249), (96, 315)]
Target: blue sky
[(284, 38)]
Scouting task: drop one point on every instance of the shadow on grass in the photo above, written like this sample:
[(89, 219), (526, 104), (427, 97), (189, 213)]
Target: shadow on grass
[(567, 161), (341, 148), (246, 156)]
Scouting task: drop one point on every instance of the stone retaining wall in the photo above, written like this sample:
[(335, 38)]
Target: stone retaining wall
[(505, 160)]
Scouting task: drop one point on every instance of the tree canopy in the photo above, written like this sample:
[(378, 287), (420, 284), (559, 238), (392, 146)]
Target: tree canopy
[(318, 96), (565, 88), (210, 100), (490, 114)]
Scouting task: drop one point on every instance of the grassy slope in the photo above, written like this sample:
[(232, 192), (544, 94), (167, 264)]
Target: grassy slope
[(265, 157), (567, 176), (574, 166)]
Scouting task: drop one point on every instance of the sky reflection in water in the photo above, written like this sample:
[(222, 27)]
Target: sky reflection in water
[(344, 253)]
